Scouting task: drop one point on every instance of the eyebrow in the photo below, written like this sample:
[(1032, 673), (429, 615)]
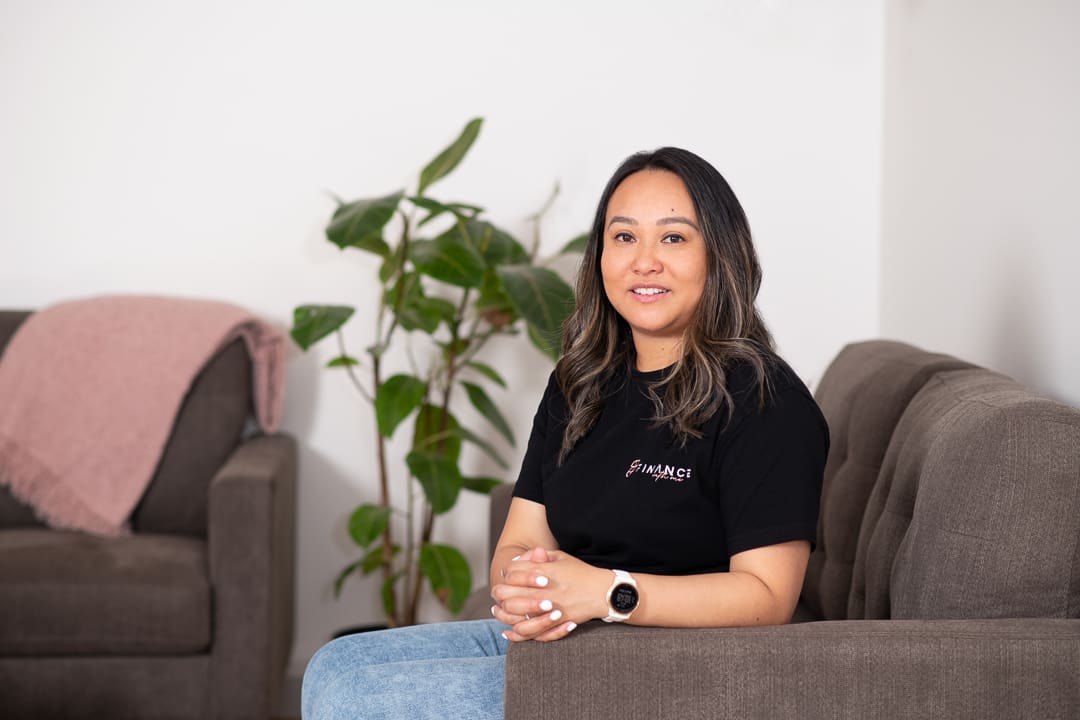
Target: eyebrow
[(674, 220)]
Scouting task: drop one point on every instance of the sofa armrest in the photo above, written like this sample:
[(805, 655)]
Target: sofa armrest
[(1024, 668), (251, 538)]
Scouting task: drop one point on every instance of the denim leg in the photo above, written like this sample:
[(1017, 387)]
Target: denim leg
[(424, 671)]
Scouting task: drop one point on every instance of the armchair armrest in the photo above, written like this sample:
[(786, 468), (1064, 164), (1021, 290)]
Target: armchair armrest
[(1024, 668), (251, 549)]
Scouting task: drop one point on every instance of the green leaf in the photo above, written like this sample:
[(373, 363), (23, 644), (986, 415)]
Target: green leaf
[(425, 313), (395, 399), (542, 297), (486, 407), (312, 323), (450, 259), (367, 523), (374, 559), (548, 343), (393, 263), (488, 372), (343, 361), (389, 599), (437, 432), (449, 158), (497, 247), (577, 245), (465, 210), (438, 476), (359, 224), (493, 304), (437, 209), (482, 485), (448, 572), (484, 445), (344, 575)]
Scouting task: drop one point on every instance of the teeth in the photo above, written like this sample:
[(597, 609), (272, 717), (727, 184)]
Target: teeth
[(649, 291)]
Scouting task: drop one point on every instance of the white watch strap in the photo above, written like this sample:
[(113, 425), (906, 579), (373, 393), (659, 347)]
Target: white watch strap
[(621, 577)]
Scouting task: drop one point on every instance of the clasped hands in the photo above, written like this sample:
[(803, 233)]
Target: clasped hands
[(545, 594)]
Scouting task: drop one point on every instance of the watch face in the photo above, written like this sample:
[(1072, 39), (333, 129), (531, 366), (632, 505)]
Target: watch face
[(624, 598)]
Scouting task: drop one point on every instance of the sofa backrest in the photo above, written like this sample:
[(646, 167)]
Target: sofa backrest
[(12, 512), (976, 512), (208, 428), (862, 395)]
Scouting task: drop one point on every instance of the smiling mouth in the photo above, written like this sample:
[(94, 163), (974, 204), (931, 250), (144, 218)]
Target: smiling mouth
[(649, 291)]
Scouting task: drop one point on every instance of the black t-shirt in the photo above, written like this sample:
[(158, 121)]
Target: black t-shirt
[(628, 497)]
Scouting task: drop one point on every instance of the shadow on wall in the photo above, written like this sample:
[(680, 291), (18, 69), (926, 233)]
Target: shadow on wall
[(1015, 344)]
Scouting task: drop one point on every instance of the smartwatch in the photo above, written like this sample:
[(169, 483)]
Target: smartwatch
[(622, 597)]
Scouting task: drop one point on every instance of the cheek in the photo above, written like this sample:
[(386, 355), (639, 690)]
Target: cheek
[(607, 275)]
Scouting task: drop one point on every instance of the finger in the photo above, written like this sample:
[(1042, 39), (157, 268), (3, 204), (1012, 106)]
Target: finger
[(514, 637), (506, 618), (537, 626), (527, 577), (528, 605), (556, 633), (504, 592)]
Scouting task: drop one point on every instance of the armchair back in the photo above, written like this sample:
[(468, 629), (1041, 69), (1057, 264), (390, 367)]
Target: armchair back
[(209, 426), (862, 395), (976, 512)]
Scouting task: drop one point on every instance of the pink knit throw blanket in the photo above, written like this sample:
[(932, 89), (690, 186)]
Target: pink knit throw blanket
[(89, 391)]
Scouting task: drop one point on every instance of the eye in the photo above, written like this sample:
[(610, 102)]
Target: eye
[(673, 239), (622, 237)]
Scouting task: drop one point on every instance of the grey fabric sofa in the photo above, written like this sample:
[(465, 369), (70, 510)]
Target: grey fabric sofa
[(191, 615), (945, 582)]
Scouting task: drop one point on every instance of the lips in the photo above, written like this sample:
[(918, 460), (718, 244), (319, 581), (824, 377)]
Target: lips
[(648, 293)]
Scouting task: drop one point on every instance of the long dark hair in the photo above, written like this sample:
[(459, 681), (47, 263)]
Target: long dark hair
[(726, 326)]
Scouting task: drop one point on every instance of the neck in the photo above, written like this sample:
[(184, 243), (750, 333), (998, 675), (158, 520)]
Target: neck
[(655, 354)]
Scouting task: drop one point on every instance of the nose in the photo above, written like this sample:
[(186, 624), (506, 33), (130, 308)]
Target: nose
[(646, 261)]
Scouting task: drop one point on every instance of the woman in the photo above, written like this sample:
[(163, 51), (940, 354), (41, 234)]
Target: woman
[(673, 471)]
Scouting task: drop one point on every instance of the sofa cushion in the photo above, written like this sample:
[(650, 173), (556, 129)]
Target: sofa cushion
[(69, 593), (977, 510), (13, 512), (208, 428), (862, 395)]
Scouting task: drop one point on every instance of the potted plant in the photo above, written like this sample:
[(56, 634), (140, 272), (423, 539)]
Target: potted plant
[(451, 277)]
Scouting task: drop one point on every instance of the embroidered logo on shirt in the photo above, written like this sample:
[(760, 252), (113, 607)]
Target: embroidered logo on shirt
[(659, 471)]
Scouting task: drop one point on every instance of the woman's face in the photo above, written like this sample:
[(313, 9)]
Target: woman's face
[(653, 262)]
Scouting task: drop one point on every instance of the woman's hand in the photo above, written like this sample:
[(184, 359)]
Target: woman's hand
[(545, 594)]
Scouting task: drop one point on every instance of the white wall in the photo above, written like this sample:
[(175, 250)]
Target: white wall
[(188, 148), (981, 172)]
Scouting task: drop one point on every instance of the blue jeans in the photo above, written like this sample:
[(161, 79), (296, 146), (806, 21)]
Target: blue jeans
[(442, 670)]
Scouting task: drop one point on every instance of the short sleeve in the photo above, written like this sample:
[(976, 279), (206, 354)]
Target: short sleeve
[(530, 482), (771, 472)]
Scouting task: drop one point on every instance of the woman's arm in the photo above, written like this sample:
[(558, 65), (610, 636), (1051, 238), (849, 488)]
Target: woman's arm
[(525, 528), (761, 588)]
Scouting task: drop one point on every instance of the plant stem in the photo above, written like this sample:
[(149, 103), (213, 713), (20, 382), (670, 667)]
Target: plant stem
[(349, 370), (394, 620), (444, 422), (384, 495)]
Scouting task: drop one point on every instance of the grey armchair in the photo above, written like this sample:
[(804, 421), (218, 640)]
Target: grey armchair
[(191, 615), (945, 582)]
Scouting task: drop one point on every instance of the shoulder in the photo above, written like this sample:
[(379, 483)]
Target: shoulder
[(785, 396), (553, 404)]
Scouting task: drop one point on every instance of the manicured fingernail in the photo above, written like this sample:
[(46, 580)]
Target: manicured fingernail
[(571, 626), (541, 581), (556, 615), (492, 611), (515, 558), (505, 636), (545, 605)]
